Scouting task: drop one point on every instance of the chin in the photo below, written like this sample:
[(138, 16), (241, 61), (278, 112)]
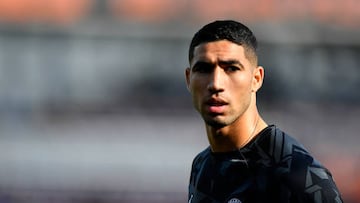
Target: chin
[(216, 122), (219, 121)]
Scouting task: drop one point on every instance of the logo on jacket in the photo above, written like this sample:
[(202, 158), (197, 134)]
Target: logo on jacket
[(234, 200), (191, 198)]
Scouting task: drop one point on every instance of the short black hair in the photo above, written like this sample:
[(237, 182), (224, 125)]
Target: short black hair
[(230, 30)]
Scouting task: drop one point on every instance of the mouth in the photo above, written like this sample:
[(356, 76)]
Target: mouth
[(216, 106), (216, 102)]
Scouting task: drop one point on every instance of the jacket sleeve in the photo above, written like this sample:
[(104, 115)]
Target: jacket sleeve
[(308, 181)]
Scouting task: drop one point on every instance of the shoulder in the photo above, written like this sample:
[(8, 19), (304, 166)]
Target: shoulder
[(274, 146), (297, 169), (201, 157), (287, 155), (277, 146), (197, 165)]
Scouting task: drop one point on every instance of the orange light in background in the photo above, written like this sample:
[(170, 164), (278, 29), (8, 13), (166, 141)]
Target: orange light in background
[(48, 11), (344, 168), (345, 12), (339, 12), (213, 9), (145, 10)]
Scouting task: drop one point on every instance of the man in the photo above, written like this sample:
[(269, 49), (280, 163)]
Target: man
[(247, 160)]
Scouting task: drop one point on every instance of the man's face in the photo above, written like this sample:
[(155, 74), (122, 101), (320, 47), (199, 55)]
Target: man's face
[(222, 82)]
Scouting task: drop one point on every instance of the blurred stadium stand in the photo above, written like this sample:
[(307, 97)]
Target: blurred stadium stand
[(93, 104)]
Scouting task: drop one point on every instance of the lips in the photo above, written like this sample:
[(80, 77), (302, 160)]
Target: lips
[(216, 106), (216, 102)]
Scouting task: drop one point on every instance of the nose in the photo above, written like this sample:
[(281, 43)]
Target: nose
[(216, 81)]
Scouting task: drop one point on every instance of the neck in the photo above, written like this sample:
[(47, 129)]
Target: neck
[(236, 135)]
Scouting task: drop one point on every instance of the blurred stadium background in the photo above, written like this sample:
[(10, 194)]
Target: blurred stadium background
[(93, 104)]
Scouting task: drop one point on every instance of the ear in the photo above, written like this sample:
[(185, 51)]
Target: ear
[(258, 78), (187, 75)]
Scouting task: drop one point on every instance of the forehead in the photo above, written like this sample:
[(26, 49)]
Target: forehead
[(219, 50)]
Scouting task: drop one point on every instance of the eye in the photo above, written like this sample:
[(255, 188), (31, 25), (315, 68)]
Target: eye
[(231, 68), (202, 68)]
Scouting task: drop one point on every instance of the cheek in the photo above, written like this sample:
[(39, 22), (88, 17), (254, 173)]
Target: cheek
[(196, 85), (197, 92), (242, 84), (193, 89)]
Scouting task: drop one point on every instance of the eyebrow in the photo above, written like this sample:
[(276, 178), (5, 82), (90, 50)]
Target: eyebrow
[(221, 62), (231, 62), (202, 63)]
